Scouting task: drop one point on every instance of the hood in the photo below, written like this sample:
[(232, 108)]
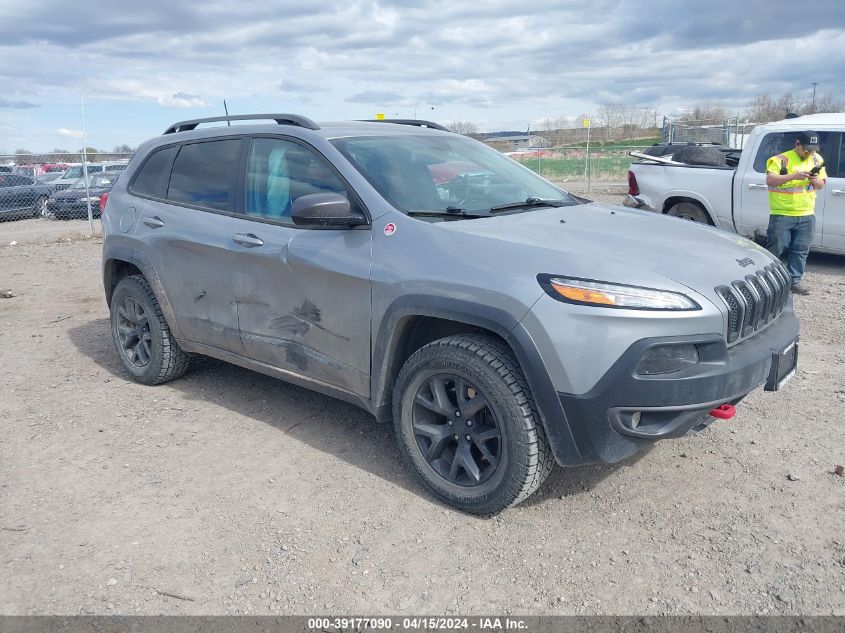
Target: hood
[(633, 244)]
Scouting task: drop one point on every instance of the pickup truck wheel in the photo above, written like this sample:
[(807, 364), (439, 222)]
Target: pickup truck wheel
[(689, 211), (141, 336), (466, 419)]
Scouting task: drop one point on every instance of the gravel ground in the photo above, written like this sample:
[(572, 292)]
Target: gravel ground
[(228, 492)]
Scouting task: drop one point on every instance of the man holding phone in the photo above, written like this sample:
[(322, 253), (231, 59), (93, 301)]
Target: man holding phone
[(793, 178)]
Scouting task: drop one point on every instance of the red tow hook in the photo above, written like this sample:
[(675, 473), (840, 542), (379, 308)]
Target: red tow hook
[(724, 412)]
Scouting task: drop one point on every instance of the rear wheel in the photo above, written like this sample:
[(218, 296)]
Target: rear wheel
[(689, 211), (141, 336), (39, 209), (466, 419)]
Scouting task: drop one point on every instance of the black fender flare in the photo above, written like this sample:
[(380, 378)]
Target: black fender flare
[(142, 262), (567, 448)]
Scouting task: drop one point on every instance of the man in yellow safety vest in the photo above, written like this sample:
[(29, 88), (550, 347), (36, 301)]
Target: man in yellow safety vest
[(793, 178)]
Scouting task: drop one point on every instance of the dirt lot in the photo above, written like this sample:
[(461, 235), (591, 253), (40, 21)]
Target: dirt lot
[(236, 493)]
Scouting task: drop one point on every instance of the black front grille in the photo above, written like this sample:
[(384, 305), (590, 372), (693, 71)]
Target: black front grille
[(60, 187), (755, 301)]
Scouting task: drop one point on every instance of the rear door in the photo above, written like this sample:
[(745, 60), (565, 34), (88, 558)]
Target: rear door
[(833, 231), (185, 223), (753, 194), (303, 295)]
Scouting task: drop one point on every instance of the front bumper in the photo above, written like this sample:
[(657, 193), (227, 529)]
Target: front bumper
[(71, 208), (670, 405)]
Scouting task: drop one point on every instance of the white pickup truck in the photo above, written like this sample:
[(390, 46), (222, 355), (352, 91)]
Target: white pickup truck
[(733, 195)]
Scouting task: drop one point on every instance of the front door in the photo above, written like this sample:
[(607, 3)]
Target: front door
[(17, 194), (833, 231), (303, 296), (752, 194)]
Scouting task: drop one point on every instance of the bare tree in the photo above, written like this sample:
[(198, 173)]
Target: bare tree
[(786, 104), (463, 127), (23, 157), (826, 103), (764, 108), (610, 116), (555, 130), (761, 109), (123, 149)]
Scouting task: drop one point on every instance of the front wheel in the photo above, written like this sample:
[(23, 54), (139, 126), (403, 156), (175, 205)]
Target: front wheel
[(466, 419), (141, 335), (39, 209)]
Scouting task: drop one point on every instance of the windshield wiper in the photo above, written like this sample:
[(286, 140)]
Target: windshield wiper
[(457, 212), (528, 202)]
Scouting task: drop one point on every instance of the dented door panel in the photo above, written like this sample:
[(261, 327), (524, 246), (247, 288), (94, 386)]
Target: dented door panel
[(189, 247), (303, 301)]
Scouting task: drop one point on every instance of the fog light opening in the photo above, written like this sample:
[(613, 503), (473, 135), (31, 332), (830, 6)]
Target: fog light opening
[(635, 419)]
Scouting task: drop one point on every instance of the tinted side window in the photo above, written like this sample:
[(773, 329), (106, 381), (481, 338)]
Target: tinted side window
[(16, 180), (154, 175), (280, 171), (204, 173), (777, 142)]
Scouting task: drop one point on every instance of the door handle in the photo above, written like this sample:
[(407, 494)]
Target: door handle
[(250, 240), (756, 186), (838, 192), (153, 223)]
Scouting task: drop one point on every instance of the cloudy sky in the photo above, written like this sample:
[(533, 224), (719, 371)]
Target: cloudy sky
[(500, 64)]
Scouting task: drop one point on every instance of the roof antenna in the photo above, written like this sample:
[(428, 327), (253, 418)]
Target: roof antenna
[(226, 108)]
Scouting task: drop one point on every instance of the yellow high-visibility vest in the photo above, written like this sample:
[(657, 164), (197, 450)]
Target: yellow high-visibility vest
[(794, 197)]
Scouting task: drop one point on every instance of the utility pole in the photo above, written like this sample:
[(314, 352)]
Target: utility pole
[(814, 97)]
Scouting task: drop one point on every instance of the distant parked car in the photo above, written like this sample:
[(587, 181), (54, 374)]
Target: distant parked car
[(73, 202), (33, 171), (74, 172), (22, 197), (50, 177), (55, 167)]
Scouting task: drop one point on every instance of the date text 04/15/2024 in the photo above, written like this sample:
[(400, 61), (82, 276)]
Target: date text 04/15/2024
[(427, 623)]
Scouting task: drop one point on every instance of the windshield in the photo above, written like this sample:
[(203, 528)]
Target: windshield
[(76, 171), (445, 174), (95, 180)]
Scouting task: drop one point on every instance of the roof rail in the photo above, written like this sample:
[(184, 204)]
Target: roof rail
[(281, 119), (416, 122)]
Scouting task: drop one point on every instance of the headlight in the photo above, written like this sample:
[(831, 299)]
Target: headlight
[(603, 294)]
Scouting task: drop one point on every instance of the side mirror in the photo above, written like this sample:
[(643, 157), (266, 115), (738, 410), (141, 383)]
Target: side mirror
[(324, 209)]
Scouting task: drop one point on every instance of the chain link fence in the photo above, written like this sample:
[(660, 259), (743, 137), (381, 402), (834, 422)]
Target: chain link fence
[(728, 132), (54, 186), (576, 163)]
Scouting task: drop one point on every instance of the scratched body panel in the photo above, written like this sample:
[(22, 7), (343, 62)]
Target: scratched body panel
[(190, 251), (303, 301)]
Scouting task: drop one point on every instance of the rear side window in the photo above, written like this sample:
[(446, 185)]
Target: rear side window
[(154, 174), (204, 174)]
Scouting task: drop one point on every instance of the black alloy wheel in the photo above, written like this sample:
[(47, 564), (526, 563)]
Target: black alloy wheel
[(133, 332), (141, 335), (465, 418), (456, 430)]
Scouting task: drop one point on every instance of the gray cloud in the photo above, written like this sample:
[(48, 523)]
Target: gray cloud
[(500, 61), (378, 97), (17, 105)]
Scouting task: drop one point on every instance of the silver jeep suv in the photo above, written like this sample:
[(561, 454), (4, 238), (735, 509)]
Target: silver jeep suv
[(501, 323)]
